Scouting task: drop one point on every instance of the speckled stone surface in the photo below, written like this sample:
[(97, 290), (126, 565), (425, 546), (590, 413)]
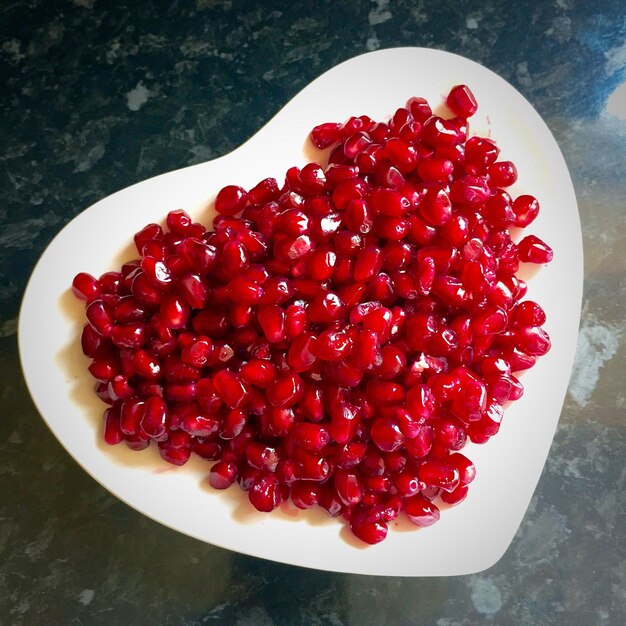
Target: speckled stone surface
[(97, 95)]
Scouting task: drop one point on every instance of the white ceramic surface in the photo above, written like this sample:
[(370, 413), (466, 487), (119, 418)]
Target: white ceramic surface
[(469, 537)]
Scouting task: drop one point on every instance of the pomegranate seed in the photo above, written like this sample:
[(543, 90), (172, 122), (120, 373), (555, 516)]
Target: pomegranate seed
[(305, 494), (526, 209), (285, 391), (421, 511), (369, 530), (386, 434), (222, 475), (533, 250), (86, 287), (325, 135), (348, 486), (230, 388), (311, 437), (155, 414), (462, 101), (231, 200)]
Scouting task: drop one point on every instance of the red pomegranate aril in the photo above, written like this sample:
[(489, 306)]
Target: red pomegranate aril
[(425, 275), (480, 153), (466, 469), (461, 101), (258, 372), (439, 474), (154, 420), (300, 356), (324, 135), (407, 484), (532, 340), (175, 456), (490, 321), (286, 390), (366, 350), (200, 425), (419, 108), (262, 457), (348, 486), (305, 494), (272, 321), (193, 289), (311, 404), (231, 200), (386, 434), (86, 287), (112, 432), (421, 444), (528, 313), (382, 393), (311, 466), (389, 202), (91, 341), (222, 475), (241, 289), (439, 132), (230, 388), (526, 209), (421, 511), (132, 335), (311, 437), (533, 250), (368, 263), (233, 424), (99, 317), (502, 174), (368, 530), (435, 170), (456, 496), (448, 433), (436, 207), (402, 154), (143, 290), (147, 233)]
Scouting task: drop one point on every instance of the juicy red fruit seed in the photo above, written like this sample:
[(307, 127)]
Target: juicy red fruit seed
[(231, 200), (462, 101), (336, 340)]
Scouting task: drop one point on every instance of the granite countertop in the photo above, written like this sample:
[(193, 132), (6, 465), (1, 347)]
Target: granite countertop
[(98, 95)]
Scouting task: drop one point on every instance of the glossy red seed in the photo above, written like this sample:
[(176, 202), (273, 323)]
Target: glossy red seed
[(231, 200), (526, 209), (272, 321), (286, 390), (348, 486), (324, 135), (439, 474), (112, 432), (503, 174), (534, 250), (222, 475), (99, 317), (461, 101), (305, 494), (230, 388), (421, 511), (386, 434), (86, 287), (154, 420), (436, 207)]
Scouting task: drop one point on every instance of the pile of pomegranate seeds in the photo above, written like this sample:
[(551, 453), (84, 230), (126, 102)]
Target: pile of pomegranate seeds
[(335, 340)]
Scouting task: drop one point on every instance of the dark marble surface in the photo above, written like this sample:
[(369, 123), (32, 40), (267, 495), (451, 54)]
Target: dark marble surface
[(97, 95)]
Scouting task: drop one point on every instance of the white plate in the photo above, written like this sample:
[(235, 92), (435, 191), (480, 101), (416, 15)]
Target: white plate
[(469, 537)]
